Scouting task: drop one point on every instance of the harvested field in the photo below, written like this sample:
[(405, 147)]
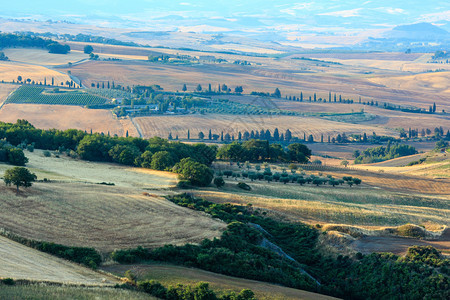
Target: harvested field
[(9, 71), (67, 117), (102, 217), (263, 78), (42, 57), (44, 291), (163, 125), (396, 245), (6, 90), (172, 275), (20, 262), (383, 117), (365, 55)]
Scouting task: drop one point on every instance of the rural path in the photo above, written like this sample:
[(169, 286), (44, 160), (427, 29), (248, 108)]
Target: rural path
[(20, 262)]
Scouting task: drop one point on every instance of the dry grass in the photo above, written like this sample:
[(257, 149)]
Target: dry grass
[(21, 262), (162, 125), (9, 71), (42, 57), (66, 169), (103, 217), (73, 210), (173, 275), (6, 90), (68, 117), (44, 291), (384, 118), (352, 206)]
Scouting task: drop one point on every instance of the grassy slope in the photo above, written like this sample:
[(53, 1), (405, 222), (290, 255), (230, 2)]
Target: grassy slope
[(42, 291), (21, 262), (172, 275), (76, 211)]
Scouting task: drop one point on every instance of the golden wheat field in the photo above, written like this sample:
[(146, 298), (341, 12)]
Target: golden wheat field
[(9, 71), (173, 275), (20, 262), (68, 117), (232, 124)]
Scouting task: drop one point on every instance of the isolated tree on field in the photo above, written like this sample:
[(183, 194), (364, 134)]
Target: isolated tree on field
[(88, 49), (19, 78), (344, 163), (199, 88), (201, 135), (19, 176), (184, 89)]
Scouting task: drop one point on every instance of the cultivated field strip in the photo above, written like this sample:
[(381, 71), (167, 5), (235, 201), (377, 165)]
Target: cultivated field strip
[(105, 218), (20, 262), (38, 95)]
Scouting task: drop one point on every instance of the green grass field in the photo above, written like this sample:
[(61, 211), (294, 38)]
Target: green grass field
[(41, 95)]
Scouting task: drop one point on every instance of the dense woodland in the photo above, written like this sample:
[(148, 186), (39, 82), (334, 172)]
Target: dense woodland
[(382, 153)]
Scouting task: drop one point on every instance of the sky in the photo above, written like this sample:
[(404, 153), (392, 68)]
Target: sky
[(232, 15)]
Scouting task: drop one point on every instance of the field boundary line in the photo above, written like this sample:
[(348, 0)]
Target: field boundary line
[(138, 128), (7, 98)]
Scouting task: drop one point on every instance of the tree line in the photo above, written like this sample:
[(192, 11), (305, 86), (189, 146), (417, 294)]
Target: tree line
[(8, 40), (191, 161)]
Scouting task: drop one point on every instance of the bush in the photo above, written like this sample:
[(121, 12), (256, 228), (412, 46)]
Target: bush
[(184, 184), (244, 186), (219, 182), (8, 281), (47, 153), (153, 288)]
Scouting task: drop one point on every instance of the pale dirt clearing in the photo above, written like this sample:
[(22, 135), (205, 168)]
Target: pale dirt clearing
[(232, 124), (68, 117), (9, 71), (6, 90), (20, 262), (103, 217), (72, 170), (42, 57), (172, 275)]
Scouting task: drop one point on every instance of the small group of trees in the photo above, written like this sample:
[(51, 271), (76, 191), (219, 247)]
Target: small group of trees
[(382, 153), (220, 89)]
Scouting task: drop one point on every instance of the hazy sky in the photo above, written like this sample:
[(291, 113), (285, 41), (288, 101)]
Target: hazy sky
[(232, 14)]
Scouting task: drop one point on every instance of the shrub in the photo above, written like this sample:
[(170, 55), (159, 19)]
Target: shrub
[(219, 182), (153, 288), (184, 184), (244, 186), (47, 153), (8, 281)]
